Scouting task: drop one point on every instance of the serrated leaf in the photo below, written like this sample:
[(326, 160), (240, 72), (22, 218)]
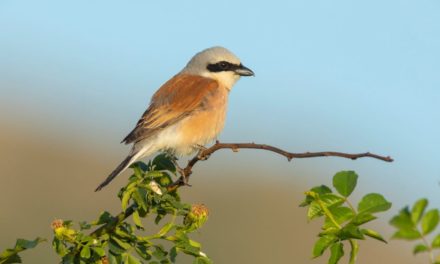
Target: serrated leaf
[(336, 253), (373, 234), (430, 221), (407, 234), (373, 203), (345, 182), (419, 248), (322, 244), (418, 209), (436, 241), (85, 252)]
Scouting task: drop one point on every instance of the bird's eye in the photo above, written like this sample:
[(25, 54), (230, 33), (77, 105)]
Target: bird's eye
[(223, 65)]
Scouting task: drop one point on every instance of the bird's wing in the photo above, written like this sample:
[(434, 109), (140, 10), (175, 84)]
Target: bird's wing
[(176, 99)]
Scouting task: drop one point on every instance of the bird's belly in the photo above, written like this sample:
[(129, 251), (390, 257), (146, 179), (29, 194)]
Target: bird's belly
[(199, 129)]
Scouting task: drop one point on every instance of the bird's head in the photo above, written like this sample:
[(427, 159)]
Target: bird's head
[(219, 64)]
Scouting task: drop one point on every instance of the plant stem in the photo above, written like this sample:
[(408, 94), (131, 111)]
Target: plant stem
[(431, 254), (350, 205), (354, 251)]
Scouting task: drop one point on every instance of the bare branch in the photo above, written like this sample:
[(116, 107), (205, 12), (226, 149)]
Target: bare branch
[(205, 154)]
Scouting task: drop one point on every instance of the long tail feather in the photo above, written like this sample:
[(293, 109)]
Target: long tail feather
[(124, 164)]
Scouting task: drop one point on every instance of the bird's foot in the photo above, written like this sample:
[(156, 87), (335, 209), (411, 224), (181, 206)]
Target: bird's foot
[(181, 171), (200, 154)]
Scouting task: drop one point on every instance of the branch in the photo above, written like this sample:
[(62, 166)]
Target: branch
[(205, 154)]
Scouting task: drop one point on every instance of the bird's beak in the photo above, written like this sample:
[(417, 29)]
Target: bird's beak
[(243, 71)]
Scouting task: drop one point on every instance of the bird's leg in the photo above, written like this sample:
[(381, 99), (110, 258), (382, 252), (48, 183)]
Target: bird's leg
[(180, 170), (199, 154)]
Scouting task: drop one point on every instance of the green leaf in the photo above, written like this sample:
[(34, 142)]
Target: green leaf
[(165, 229), (340, 215), (140, 197), (436, 241), (129, 259), (373, 203), (120, 243), (407, 234), (322, 244), (27, 244), (11, 255), (104, 218), (362, 218), (137, 220), (330, 199), (418, 209), (85, 252), (350, 231), (337, 251), (202, 260), (163, 162), (345, 182), (430, 221), (403, 220), (314, 210), (126, 196), (318, 190), (99, 251), (373, 234), (419, 248)]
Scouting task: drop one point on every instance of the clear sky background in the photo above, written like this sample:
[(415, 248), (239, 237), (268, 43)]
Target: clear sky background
[(348, 76)]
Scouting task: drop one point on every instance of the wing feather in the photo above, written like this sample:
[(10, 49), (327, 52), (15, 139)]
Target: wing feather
[(176, 99)]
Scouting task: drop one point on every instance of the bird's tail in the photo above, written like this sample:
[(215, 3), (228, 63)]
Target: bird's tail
[(124, 164)]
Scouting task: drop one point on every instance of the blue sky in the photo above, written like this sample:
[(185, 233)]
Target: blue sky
[(348, 76)]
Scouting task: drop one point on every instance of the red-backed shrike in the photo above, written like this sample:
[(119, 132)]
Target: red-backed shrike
[(188, 111)]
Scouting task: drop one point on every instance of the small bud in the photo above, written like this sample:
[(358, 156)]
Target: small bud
[(196, 217), (57, 223), (104, 260), (62, 232)]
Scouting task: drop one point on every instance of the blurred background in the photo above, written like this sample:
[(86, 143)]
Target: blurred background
[(348, 76)]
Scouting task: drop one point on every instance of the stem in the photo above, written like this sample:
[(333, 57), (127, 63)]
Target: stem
[(328, 213), (350, 205), (431, 254), (354, 251)]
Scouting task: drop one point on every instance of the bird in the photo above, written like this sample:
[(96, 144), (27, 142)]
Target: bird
[(186, 112)]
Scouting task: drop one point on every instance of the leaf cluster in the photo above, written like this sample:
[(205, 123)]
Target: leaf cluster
[(342, 221), (10, 255), (119, 240), (417, 223)]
